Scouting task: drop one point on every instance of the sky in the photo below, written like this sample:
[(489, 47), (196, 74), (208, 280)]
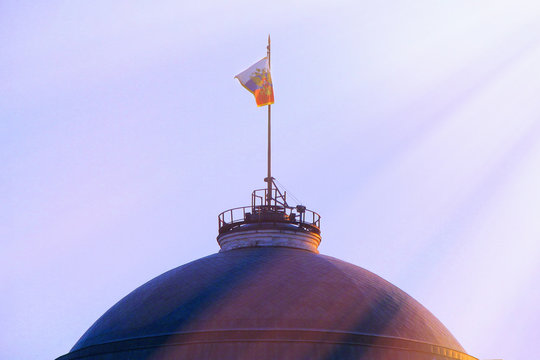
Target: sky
[(412, 127)]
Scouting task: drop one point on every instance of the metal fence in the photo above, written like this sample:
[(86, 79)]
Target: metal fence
[(298, 215)]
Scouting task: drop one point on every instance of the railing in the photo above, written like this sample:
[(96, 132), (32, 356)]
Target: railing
[(299, 215), (260, 197)]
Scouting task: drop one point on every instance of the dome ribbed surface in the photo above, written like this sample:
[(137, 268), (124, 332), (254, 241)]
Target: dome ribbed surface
[(265, 289)]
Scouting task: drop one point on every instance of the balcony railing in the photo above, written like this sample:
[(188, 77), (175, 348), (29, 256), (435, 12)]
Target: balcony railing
[(300, 216)]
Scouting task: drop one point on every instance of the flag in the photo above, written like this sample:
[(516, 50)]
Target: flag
[(257, 80)]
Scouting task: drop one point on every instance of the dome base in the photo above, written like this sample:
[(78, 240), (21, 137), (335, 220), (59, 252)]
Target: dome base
[(267, 344), (270, 235)]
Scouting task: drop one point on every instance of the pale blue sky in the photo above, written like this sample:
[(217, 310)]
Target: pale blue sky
[(412, 127)]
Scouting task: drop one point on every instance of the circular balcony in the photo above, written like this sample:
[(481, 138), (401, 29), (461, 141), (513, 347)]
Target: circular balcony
[(273, 215)]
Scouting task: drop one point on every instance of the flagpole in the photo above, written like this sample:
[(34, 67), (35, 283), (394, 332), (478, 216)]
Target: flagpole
[(269, 178)]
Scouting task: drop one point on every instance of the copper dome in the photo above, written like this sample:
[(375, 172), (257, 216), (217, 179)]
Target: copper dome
[(267, 303)]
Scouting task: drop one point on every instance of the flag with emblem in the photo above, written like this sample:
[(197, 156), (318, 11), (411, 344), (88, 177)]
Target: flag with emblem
[(257, 80)]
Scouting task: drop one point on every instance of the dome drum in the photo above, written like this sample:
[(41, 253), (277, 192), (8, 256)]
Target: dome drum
[(269, 235)]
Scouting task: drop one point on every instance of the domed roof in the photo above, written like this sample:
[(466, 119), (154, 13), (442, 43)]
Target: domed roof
[(258, 292)]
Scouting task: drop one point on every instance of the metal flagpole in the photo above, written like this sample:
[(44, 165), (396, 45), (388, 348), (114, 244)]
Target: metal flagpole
[(269, 178)]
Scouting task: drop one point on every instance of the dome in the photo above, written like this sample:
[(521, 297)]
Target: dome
[(260, 298), (268, 294)]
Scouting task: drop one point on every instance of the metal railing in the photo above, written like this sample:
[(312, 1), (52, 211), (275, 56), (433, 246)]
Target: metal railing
[(299, 215), (260, 197), (269, 208)]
